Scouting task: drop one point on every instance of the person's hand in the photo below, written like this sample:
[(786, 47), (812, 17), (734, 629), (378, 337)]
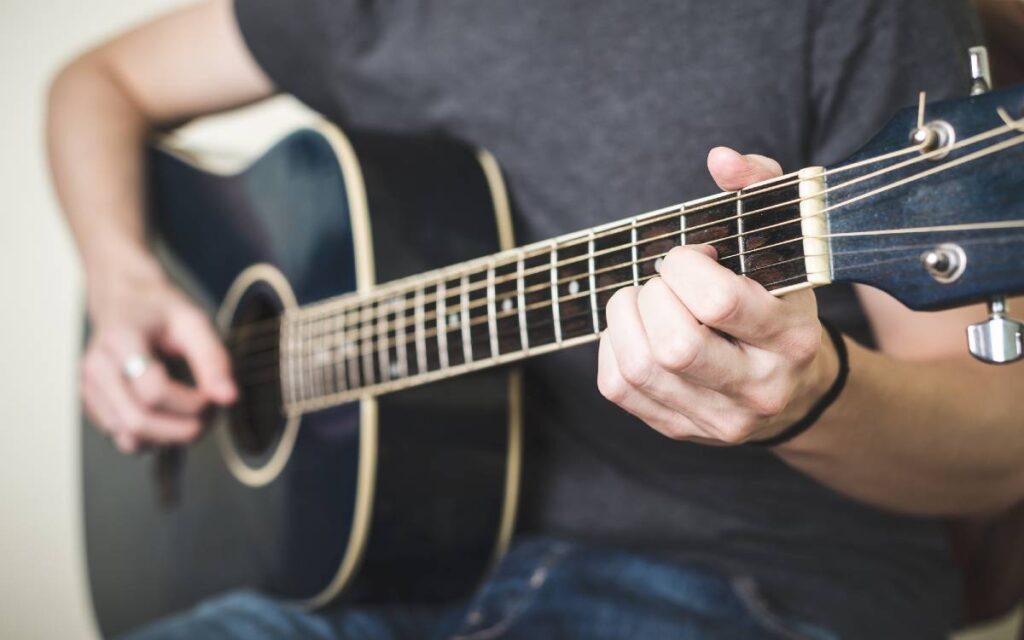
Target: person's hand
[(700, 353), (125, 389)]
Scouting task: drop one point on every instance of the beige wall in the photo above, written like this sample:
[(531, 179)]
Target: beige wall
[(42, 591), (42, 580)]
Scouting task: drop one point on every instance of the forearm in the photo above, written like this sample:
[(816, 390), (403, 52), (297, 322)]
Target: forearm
[(937, 438), (103, 106), (95, 139)]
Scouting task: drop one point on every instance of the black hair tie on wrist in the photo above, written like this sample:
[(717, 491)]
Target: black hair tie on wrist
[(824, 402)]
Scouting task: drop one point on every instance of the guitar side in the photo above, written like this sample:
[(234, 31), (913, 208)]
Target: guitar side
[(379, 499)]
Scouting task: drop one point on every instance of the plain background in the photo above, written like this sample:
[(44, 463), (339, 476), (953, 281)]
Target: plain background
[(43, 590)]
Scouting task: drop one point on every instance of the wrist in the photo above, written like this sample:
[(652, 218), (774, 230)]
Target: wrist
[(119, 272)]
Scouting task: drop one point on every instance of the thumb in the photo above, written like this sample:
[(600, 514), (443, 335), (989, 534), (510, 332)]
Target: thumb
[(732, 170)]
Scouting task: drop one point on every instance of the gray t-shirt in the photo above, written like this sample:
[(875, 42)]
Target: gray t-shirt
[(601, 109)]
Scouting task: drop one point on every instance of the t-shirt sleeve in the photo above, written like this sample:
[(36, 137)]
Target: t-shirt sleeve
[(869, 58), (297, 43)]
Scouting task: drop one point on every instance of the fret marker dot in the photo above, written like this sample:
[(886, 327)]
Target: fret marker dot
[(657, 264), (506, 304), (574, 287), (453, 319), (394, 369)]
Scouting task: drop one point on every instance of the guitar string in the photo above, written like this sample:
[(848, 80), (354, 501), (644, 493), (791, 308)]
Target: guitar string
[(992, 149), (479, 302), (376, 335), (412, 378), (327, 307), (542, 323)]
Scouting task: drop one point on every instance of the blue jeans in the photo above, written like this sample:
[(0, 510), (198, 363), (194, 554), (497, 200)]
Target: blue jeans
[(544, 588)]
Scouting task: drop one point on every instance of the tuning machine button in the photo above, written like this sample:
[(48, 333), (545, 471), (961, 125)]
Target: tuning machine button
[(981, 76), (997, 340)]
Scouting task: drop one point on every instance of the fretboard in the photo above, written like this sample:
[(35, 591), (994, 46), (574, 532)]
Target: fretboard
[(538, 298)]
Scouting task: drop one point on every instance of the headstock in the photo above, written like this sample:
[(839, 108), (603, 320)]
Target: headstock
[(932, 209)]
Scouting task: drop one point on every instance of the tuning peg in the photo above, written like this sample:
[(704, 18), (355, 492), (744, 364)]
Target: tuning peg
[(997, 340)]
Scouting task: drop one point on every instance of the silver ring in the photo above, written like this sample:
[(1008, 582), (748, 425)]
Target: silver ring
[(135, 365)]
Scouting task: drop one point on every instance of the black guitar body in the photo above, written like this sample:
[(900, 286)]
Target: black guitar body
[(407, 497)]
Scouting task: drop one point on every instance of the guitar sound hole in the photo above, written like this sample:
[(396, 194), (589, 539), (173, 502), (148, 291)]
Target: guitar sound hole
[(256, 422)]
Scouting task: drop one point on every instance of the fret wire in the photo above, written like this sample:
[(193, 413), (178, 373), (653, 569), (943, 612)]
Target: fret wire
[(366, 326), (341, 349), (322, 359), (524, 338), (592, 277), (555, 309), (492, 316), (403, 356), (441, 321), (682, 226), (739, 232), (632, 237), (353, 351), (383, 358), (467, 343), (303, 360), (352, 348), (420, 330)]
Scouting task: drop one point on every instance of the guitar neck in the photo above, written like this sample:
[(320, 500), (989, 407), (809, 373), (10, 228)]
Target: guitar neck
[(543, 297)]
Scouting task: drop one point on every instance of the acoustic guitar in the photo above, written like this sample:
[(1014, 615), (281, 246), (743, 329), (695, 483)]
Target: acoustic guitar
[(364, 281)]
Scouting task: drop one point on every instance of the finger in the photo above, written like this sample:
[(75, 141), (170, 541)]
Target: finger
[(718, 298), (637, 364), (97, 410), (732, 171), (614, 387), (157, 391), (131, 418), (190, 334), (682, 344), (126, 443)]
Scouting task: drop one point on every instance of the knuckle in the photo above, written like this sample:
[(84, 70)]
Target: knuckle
[(679, 353), (804, 346), (766, 404), (677, 430), (721, 306), (612, 386), (735, 427), (637, 369), (735, 430)]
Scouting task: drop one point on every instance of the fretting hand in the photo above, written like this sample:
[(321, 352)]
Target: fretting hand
[(700, 353)]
